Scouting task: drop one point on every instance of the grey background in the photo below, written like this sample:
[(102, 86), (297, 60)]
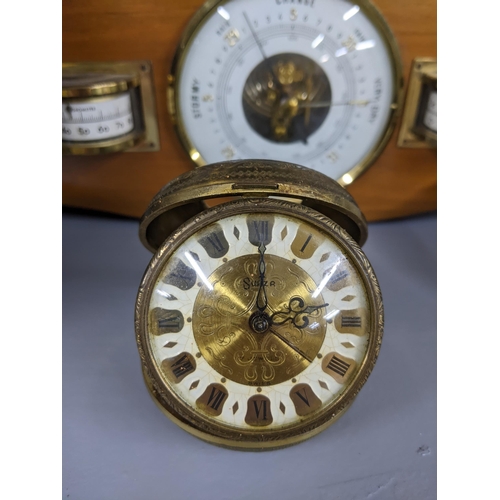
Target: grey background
[(118, 445)]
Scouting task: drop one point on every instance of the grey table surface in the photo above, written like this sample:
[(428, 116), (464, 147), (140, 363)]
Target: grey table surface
[(118, 445)]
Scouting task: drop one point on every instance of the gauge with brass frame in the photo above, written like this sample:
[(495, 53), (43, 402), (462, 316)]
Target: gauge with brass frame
[(258, 320), (316, 83), (108, 107)]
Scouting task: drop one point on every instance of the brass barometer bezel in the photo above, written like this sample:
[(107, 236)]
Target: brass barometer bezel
[(254, 199), (375, 17)]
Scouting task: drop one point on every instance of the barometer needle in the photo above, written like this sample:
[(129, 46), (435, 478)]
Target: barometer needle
[(269, 67), (326, 104)]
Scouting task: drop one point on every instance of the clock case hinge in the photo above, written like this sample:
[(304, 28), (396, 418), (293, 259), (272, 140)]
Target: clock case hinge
[(186, 196)]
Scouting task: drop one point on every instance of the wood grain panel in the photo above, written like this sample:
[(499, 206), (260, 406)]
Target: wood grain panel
[(401, 182)]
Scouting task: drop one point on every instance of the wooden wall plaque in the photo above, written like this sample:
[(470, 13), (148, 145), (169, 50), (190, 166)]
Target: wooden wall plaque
[(401, 182)]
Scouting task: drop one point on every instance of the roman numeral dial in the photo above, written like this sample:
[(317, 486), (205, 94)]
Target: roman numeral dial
[(254, 366)]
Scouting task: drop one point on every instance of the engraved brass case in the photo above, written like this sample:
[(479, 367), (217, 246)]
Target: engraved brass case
[(174, 216)]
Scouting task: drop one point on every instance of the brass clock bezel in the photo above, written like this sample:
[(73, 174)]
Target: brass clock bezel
[(373, 14), (207, 428)]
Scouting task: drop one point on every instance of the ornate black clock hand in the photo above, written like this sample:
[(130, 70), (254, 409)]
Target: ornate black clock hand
[(261, 302), (295, 313)]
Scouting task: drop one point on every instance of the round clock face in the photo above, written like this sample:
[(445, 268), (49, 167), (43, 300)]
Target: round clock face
[(312, 82), (259, 323)]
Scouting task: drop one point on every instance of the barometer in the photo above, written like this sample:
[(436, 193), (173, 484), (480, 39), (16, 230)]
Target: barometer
[(315, 82), (258, 320)]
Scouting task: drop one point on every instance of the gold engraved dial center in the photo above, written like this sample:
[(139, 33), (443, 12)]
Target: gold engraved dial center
[(254, 347)]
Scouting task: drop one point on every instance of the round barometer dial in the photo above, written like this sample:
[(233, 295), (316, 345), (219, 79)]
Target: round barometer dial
[(314, 82), (258, 320)]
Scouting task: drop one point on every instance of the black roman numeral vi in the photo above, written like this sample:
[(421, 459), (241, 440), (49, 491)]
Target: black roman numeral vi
[(260, 406)]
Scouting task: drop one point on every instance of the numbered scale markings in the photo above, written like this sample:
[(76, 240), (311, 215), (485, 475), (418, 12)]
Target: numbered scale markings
[(313, 82), (97, 119), (258, 321)]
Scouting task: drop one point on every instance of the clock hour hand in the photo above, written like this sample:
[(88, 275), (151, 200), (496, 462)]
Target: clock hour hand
[(261, 302), (296, 312)]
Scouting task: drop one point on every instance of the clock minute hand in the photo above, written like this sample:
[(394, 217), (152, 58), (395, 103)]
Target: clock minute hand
[(290, 345)]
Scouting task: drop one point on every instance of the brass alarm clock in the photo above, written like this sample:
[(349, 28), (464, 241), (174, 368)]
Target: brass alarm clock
[(258, 320)]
